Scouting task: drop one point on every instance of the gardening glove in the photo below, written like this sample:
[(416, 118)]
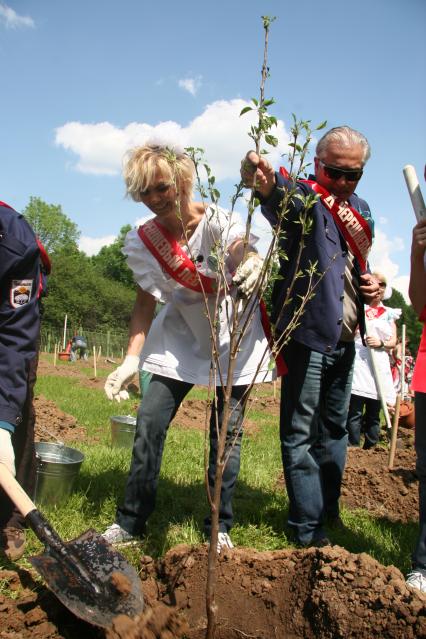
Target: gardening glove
[(121, 376), (7, 454), (247, 274)]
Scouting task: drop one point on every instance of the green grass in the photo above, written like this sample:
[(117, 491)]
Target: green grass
[(260, 502)]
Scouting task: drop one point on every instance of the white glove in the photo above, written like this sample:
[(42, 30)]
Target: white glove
[(7, 454), (121, 376), (247, 274)]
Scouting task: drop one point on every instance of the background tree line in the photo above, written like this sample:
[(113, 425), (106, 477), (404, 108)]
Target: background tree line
[(98, 292)]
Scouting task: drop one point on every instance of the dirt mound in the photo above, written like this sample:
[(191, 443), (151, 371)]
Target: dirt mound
[(368, 483), (53, 424), (315, 594)]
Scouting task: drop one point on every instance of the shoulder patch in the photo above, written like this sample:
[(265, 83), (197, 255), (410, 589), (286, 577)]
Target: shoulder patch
[(20, 292)]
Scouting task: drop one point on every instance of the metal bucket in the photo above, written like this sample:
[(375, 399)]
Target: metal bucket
[(57, 468), (123, 428)]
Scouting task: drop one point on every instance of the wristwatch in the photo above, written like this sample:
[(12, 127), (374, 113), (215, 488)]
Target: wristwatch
[(382, 344)]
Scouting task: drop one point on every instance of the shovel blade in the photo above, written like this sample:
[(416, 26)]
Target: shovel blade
[(110, 585)]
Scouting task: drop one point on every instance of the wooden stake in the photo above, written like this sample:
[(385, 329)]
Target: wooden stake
[(275, 389), (94, 359), (394, 434), (54, 355)]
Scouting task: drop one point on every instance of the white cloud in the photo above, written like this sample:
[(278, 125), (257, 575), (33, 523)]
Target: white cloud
[(11, 20), (401, 284), (219, 130), (92, 245), (383, 220), (191, 84), (381, 259)]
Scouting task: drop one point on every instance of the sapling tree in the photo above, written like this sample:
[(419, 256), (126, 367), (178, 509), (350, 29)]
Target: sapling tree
[(240, 312)]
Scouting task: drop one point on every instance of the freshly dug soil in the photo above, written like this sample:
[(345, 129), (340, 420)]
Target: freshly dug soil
[(325, 593), (311, 594)]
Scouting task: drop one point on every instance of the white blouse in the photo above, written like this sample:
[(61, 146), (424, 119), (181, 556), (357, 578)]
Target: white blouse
[(179, 342)]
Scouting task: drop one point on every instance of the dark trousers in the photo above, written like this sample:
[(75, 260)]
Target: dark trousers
[(314, 406), (157, 409), (367, 422), (419, 555), (25, 460)]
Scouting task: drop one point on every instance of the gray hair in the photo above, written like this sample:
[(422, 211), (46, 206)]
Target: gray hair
[(345, 136)]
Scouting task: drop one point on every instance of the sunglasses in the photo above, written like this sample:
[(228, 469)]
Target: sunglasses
[(334, 173)]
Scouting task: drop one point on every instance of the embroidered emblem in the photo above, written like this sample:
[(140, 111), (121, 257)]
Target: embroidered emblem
[(20, 293)]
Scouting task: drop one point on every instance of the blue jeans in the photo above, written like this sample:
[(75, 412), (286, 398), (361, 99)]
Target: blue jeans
[(157, 409), (314, 407), (367, 422), (419, 555)]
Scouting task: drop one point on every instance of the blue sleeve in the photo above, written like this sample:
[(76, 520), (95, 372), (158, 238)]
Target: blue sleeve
[(19, 311), (271, 207), (7, 426)]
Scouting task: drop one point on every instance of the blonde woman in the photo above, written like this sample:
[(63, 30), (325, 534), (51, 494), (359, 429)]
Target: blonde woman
[(174, 257)]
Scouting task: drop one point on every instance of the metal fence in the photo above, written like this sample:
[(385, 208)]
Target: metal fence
[(109, 344)]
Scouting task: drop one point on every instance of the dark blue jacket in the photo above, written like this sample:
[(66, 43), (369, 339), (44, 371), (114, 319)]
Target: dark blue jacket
[(19, 311), (321, 323)]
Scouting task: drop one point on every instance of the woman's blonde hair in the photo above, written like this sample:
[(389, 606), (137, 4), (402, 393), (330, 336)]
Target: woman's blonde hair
[(141, 164), (379, 276)]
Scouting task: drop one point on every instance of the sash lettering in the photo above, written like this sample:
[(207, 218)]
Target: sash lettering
[(354, 228), (173, 259)]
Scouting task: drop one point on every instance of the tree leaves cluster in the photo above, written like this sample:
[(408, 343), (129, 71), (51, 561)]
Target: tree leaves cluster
[(97, 292)]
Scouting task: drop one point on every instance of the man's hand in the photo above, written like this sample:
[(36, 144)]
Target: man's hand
[(247, 274), (121, 376), (256, 172), (369, 287), (7, 454)]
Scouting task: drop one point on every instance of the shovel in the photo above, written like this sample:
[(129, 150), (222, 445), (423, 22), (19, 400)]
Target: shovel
[(86, 574)]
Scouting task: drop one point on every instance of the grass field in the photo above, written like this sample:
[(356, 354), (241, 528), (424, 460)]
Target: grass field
[(260, 503)]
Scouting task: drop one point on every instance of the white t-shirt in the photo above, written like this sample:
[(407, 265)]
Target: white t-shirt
[(364, 383), (179, 343)]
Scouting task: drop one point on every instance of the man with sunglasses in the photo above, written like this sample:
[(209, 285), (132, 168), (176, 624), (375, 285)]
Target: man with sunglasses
[(316, 391)]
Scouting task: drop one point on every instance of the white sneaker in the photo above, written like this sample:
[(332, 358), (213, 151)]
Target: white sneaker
[(223, 541), (416, 579), (117, 536)]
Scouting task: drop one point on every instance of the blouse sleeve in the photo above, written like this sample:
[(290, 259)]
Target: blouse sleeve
[(146, 270)]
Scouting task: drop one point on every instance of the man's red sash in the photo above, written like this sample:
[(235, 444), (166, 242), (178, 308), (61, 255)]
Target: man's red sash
[(354, 228), (173, 259)]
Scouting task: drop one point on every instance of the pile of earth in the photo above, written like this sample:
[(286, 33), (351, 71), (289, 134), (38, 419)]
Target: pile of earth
[(322, 593), (315, 594)]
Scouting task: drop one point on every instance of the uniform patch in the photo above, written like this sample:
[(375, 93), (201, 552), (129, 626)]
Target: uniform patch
[(20, 293)]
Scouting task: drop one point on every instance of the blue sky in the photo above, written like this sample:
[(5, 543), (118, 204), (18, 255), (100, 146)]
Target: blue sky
[(84, 81)]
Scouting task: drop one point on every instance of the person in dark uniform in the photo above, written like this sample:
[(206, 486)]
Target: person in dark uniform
[(23, 268)]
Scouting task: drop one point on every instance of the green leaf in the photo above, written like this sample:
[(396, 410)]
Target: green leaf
[(245, 110)]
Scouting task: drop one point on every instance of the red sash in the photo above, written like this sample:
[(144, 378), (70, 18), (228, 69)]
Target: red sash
[(173, 259), (373, 312), (354, 228)]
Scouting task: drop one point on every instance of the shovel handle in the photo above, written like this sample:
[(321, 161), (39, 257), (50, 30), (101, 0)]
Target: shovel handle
[(15, 491)]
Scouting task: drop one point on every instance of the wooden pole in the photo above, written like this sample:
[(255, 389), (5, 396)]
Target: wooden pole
[(394, 434), (54, 355), (94, 359), (275, 389)]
